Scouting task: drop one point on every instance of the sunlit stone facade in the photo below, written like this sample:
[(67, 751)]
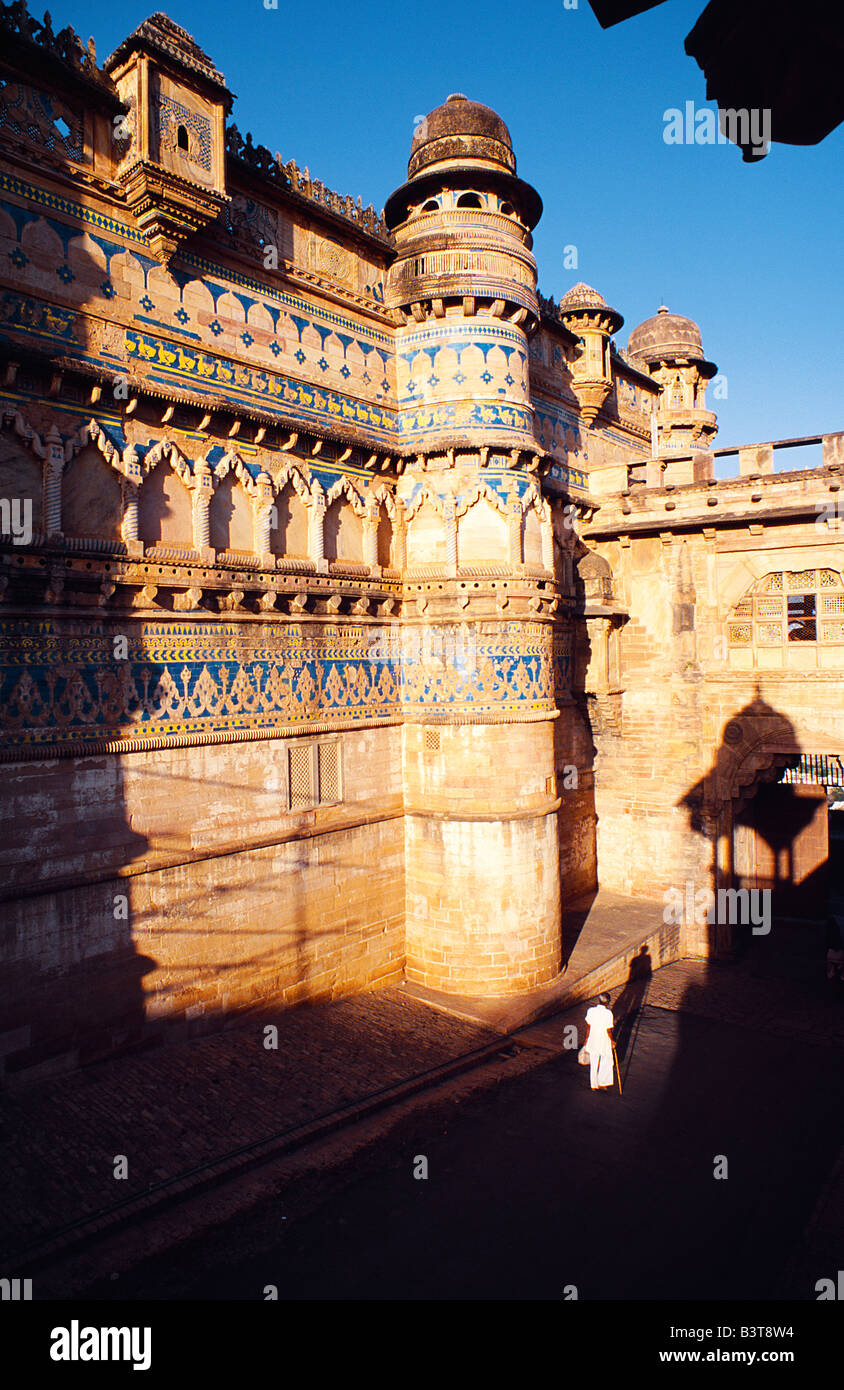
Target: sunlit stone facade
[(361, 607)]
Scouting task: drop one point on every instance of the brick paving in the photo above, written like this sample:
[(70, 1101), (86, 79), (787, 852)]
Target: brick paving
[(778, 986), (189, 1102), (536, 1183)]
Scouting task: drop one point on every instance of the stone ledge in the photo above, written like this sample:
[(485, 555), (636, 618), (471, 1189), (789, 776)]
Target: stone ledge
[(601, 960)]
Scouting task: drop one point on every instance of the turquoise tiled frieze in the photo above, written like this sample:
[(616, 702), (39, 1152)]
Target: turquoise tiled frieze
[(61, 684), (186, 366), (58, 686), (424, 424), (477, 671)]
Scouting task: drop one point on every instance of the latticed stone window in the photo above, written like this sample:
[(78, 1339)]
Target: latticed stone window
[(314, 774), (788, 607), (328, 766)]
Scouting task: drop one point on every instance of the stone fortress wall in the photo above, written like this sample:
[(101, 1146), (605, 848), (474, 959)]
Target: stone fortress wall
[(327, 655)]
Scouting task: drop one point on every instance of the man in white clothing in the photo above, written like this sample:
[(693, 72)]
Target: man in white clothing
[(598, 1044)]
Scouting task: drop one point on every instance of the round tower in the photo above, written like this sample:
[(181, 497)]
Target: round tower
[(463, 283), (668, 347)]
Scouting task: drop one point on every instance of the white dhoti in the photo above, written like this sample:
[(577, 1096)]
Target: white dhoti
[(599, 1046), (600, 1069)]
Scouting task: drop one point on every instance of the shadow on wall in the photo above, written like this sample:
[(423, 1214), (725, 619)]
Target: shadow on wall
[(111, 962), (773, 1131), (73, 976), (768, 840)]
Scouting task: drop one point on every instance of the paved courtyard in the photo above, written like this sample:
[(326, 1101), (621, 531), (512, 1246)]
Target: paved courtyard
[(535, 1183)]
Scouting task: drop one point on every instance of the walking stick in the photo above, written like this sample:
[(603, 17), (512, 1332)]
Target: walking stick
[(617, 1070)]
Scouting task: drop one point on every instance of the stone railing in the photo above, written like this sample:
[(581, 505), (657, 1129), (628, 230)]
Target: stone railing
[(289, 175)]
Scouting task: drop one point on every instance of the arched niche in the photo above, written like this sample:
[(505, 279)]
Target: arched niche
[(164, 508), (289, 536), (386, 544), (482, 535), (343, 531), (230, 516), (92, 497), (531, 538), (425, 538), (21, 477)]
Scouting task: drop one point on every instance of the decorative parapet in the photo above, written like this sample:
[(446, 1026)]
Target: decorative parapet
[(290, 176), (66, 45)]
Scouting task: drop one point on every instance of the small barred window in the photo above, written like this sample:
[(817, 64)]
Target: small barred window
[(314, 774)]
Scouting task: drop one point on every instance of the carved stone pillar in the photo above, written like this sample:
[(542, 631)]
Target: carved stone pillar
[(370, 536), (262, 519), (515, 529), (53, 493), (450, 526), (400, 537), (129, 528), (202, 494), (132, 479), (547, 537), (316, 533)]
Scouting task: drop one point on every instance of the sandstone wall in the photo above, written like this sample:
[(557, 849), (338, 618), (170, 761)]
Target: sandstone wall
[(170, 889), (483, 899)]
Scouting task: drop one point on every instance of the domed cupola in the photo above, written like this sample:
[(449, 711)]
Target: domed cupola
[(669, 348)]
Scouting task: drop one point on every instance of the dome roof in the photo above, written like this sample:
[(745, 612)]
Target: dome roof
[(459, 141), (592, 566), (666, 335), (582, 296), (461, 129)]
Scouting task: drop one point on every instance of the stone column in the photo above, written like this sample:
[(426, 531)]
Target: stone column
[(202, 494), (370, 535), (400, 537), (515, 532), (132, 481), (450, 527), (262, 519), (316, 532), (130, 512), (547, 535), (53, 467)]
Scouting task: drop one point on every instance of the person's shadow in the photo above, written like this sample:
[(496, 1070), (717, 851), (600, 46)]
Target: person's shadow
[(629, 1006)]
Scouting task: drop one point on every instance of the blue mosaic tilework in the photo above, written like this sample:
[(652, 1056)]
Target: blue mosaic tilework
[(202, 372), (426, 422), (44, 198), (509, 671), (60, 685), (38, 319), (89, 217), (172, 114)]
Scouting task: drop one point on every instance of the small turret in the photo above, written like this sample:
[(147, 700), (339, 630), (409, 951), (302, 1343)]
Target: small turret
[(587, 315), (668, 347), (173, 167)]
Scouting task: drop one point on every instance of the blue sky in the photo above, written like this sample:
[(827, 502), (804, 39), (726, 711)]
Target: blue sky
[(751, 252)]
